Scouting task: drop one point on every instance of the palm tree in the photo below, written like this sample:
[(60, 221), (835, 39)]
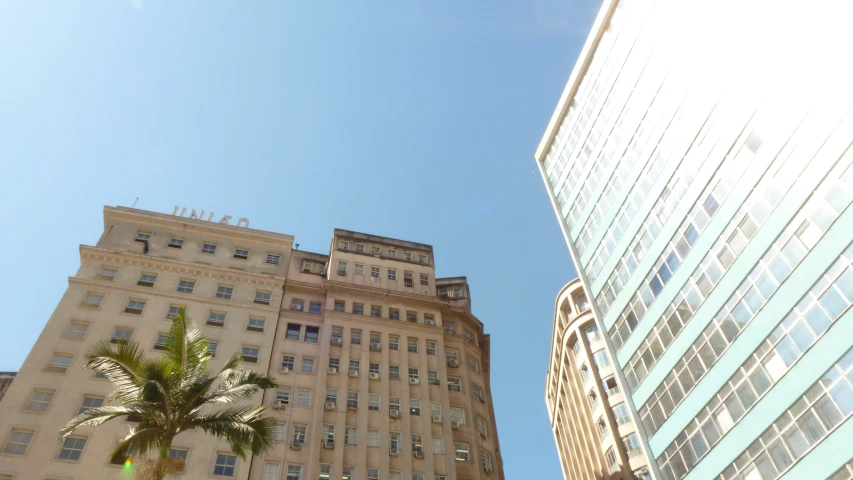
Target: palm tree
[(171, 394)]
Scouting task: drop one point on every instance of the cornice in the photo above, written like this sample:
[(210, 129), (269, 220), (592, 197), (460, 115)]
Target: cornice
[(180, 267)]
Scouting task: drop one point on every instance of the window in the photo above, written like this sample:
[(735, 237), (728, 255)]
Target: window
[(135, 307), (407, 256), (271, 471), (208, 248), (39, 401), (429, 319), (121, 335), (417, 476), (298, 434), (435, 409), (417, 443), (372, 474), (307, 365), (592, 334), (374, 272), (422, 258), (393, 314), (334, 364), (143, 236), (250, 354), (411, 317), (413, 345), (93, 300), (216, 319), (376, 250), (430, 347), (307, 266), (373, 438), (256, 324), (282, 394), (72, 448), (179, 453), (374, 368), (610, 386), (359, 247), (359, 269), (352, 400), (224, 292), (225, 465), (358, 309), (457, 292), (343, 245), (355, 337), (432, 377), (90, 402), (620, 412), (279, 432), (457, 416), (414, 374), (18, 442), (76, 330), (452, 355), (321, 268), (393, 342), (211, 347), (462, 453), (473, 364), (393, 372), (273, 259), (407, 279), (312, 334), (328, 433), (262, 297), (438, 445), (395, 440), (442, 292), (288, 362), (487, 461), (241, 253), (340, 306), (325, 471), (482, 426), (354, 365), (610, 454), (303, 398), (107, 273), (414, 406), (349, 473), (351, 436), (186, 286), (147, 280), (469, 336), (478, 392), (292, 332), (315, 308), (59, 363), (600, 358), (392, 253), (424, 279), (392, 274), (332, 396), (454, 384), (450, 329), (373, 402), (294, 472), (632, 444), (375, 311), (342, 268)]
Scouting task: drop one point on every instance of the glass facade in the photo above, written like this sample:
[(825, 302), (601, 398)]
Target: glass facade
[(708, 218)]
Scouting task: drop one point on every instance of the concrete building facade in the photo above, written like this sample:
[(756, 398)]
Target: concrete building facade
[(383, 370), (594, 433), (703, 190), (5, 380)]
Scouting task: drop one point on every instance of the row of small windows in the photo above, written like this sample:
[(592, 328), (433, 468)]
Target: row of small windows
[(137, 305), (377, 250), (376, 311), (375, 272), (210, 248), (288, 364)]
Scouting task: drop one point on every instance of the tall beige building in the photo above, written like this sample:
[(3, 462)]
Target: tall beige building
[(383, 369), (595, 436)]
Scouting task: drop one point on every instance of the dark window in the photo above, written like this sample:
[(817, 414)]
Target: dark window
[(315, 308), (312, 334), (293, 331)]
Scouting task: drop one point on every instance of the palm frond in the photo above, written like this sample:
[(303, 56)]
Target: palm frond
[(246, 428), (97, 416), (187, 347), (120, 366), (240, 384), (138, 442)]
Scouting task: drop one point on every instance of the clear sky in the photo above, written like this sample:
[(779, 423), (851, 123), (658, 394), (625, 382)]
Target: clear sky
[(415, 119)]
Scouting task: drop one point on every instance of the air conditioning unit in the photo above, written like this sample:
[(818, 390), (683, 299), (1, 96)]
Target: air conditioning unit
[(342, 273), (394, 413), (328, 445), (394, 452), (436, 419), (373, 376), (488, 470), (481, 399), (414, 381), (408, 282), (296, 446), (279, 405), (434, 381), (454, 424), (418, 453), (333, 371), (452, 362), (353, 373), (330, 406), (337, 341), (296, 306), (286, 370), (375, 346)]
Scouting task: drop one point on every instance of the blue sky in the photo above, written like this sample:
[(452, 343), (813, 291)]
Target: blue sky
[(413, 119)]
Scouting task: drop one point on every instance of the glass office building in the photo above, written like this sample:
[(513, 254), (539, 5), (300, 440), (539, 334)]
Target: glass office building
[(699, 163)]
